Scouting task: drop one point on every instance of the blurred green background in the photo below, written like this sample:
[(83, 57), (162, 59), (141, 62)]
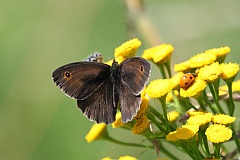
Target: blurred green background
[(37, 121)]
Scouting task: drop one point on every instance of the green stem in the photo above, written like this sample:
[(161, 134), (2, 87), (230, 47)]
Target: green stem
[(110, 139), (205, 143), (166, 152), (160, 66), (164, 107), (168, 67), (231, 103), (214, 90), (156, 113), (188, 104), (234, 135), (217, 151), (177, 103), (155, 122), (214, 109), (200, 101), (197, 153)]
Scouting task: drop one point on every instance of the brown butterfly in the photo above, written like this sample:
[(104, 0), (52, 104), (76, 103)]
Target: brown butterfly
[(98, 87)]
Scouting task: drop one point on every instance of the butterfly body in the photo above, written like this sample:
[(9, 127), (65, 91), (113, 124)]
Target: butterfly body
[(99, 88)]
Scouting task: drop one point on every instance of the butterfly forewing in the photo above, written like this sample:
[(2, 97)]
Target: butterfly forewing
[(135, 72), (100, 106), (79, 80)]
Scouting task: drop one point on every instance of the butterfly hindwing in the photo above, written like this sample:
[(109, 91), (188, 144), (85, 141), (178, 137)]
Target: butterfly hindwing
[(100, 106), (135, 72), (129, 103), (79, 80)]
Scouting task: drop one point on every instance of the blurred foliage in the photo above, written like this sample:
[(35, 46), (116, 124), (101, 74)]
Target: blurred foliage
[(37, 121)]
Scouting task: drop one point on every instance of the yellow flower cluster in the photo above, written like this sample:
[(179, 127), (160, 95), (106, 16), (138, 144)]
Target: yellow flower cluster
[(209, 67), (198, 119), (198, 127)]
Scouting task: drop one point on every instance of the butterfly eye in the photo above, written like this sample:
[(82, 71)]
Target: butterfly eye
[(67, 75), (142, 68)]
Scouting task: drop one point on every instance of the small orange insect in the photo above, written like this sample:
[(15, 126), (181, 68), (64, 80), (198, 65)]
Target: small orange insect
[(187, 80)]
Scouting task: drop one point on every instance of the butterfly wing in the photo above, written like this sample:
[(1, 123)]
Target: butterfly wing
[(129, 103), (101, 105), (81, 79), (134, 74)]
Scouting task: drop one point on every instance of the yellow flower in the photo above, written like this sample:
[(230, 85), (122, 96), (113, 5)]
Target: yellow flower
[(106, 158), (182, 67), (200, 119), (218, 133), (229, 70), (194, 90), (219, 52), (158, 88), (201, 60), (235, 87), (109, 62), (127, 49), (169, 97), (223, 119), (159, 54), (210, 73), (118, 122), (173, 115), (119, 59), (187, 131), (127, 158), (142, 125), (98, 131), (143, 107), (193, 113), (172, 136), (175, 80)]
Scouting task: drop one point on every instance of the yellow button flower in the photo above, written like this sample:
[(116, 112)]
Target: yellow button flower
[(210, 73), (127, 158), (172, 136), (235, 87), (118, 122), (127, 49), (187, 131), (201, 60), (173, 115), (142, 125), (175, 80), (109, 62), (159, 54), (98, 131), (143, 107), (195, 89), (200, 120), (193, 113), (219, 52), (218, 133), (223, 119), (182, 67), (158, 88), (229, 70), (169, 97)]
